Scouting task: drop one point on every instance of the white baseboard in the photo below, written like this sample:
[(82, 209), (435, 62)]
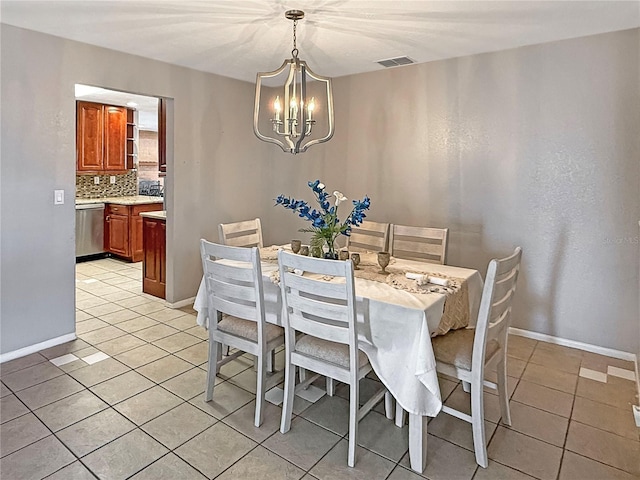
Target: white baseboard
[(182, 303), (587, 347), (5, 357)]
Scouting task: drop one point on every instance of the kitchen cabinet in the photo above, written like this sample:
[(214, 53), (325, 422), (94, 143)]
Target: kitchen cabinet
[(123, 229), (154, 270), (101, 138)]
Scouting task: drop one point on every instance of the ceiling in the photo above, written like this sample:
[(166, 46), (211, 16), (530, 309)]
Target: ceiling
[(237, 38)]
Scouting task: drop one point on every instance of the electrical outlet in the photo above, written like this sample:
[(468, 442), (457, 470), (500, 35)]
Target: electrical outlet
[(96, 180), (112, 179), (58, 197)]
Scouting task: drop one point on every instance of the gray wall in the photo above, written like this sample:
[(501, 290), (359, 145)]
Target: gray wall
[(536, 147)]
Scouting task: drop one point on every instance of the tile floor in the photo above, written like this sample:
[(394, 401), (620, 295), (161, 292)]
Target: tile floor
[(125, 401)]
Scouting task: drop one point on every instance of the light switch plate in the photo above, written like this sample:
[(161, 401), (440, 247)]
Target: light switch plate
[(96, 180), (112, 179), (58, 197)]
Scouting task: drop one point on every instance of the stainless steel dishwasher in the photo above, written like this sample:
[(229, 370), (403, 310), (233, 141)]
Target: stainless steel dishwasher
[(89, 229)]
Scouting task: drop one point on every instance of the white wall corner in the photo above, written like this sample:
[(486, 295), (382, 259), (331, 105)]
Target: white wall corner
[(182, 303)]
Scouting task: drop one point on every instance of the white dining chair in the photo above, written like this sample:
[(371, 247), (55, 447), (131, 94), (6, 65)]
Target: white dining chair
[(247, 233), (235, 300), (323, 314), (369, 236), (419, 243), (465, 354)]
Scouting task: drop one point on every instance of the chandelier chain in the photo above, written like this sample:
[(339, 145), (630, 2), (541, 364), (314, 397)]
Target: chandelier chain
[(294, 52)]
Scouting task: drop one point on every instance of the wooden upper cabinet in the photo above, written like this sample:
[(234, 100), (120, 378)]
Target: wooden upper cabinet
[(89, 136), (115, 138), (101, 137)]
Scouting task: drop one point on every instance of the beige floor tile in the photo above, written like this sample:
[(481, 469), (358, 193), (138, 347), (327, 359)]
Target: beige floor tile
[(550, 377), (166, 314), (21, 363), (446, 387), (236, 366), (174, 343), (118, 296), (611, 419), (120, 345), (178, 425), (89, 303), (49, 391), (89, 325), (20, 432), (133, 301), (164, 369), (445, 461), (183, 322), (512, 384), (148, 405), (122, 387), (156, 332), (242, 421), (578, 467), (30, 376), (496, 471), (520, 347), (73, 471), (564, 359), (197, 354), (539, 424), (260, 464), (617, 393), (63, 349), (227, 399), (4, 390), (605, 447), (114, 318), (124, 456), (188, 384), (102, 335), (559, 349), (95, 431), (553, 401), (80, 315), (461, 401), (304, 444), (515, 367), (599, 363), (103, 309), (215, 449), (37, 460), (401, 473), (141, 355), (69, 410), (199, 332), (456, 431), (380, 435), (99, 372), (11, 407), (116, 279), (169, 467), (147, 307), (531, 456), (331, 413), (369, 466), (137, 323)]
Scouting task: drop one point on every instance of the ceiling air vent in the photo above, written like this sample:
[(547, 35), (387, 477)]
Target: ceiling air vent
[(395, 62)]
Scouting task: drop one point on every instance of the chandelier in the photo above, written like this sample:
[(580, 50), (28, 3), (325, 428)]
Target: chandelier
[(299, 103)]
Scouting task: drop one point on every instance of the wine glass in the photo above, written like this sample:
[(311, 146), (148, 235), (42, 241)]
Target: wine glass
[(355, 258), (383, 261), (296, 245)]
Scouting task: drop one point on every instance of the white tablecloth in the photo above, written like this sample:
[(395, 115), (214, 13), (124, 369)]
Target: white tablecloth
[(394, 330)]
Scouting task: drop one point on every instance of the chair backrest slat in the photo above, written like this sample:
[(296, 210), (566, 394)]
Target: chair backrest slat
[(494, 316), (369, 236), (233, 280), (317, 307), (419, 243), (247, 233)]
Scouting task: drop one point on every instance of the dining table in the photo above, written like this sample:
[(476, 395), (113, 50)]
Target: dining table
[(397, 315)]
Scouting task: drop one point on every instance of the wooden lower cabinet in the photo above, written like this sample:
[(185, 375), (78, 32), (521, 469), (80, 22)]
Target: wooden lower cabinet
[(123, 229), (154, 268)]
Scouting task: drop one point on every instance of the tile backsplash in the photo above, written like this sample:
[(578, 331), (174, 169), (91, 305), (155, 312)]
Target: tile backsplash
[(126, 184)]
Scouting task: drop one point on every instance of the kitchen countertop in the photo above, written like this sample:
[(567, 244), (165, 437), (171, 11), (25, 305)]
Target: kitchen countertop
[(131, 200), (160, 215)]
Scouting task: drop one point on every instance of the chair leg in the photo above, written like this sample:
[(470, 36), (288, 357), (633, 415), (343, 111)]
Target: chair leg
[(212, 368), (466, 386), (503, 392), (260, 387), (401, 416), (302, 376), (271, 361), (388, 405), (331, 386), (477, 422), (289, 391), (354, 401)]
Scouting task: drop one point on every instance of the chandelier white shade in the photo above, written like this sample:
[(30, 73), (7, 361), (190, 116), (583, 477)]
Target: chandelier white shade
[(293, 105)]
